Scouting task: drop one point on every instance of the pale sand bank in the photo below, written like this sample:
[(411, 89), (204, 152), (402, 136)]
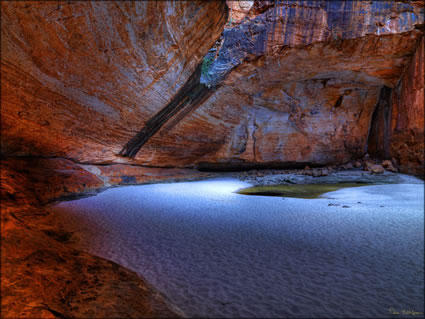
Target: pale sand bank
[(215, 253)]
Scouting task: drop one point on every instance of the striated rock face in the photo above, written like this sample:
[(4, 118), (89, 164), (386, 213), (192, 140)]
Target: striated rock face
[(298, 82), (397, 126), (407, 125), (276, 26), (80, 79), (293, 81)]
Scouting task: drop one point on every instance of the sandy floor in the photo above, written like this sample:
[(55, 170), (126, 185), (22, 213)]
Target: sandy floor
[(220, 254)]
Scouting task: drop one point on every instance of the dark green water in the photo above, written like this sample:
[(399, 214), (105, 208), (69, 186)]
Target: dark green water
[(307, 191)]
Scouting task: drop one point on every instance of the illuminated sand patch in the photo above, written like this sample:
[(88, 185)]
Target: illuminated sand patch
[(216, 253)]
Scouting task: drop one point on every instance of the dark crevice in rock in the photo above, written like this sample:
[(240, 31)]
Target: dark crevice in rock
[(244, 166), (73, 160), (261, 6), (79, 195), (379, 134), (242, 148), (57, 314), (339, 101), (190, 96), (254, 139)]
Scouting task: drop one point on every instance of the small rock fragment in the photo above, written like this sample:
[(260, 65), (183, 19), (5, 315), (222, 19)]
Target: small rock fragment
[(392, 169), (368, 165), (377, 169), (317, 172), (386, 163), (357, 164), (348, 166)]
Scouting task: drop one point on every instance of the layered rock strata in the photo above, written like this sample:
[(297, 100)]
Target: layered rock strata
[(407, 121), (80, 79), (299, 79), (299, 85), (397, 126)]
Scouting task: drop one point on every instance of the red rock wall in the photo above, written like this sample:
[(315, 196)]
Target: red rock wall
[(79, 79), (302, 84), (310, 110), (380, 127), (407, 136)]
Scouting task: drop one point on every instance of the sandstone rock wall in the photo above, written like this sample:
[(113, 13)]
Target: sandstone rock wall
[(80, 79), (397, 125), (298, 82), (407, 130)]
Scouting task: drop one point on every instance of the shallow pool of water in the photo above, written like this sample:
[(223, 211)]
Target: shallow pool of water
[(307, 191)]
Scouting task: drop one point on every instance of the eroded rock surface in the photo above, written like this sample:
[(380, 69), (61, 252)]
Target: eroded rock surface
[(298, 85), (297, 81), (407, 125), (80, 79)]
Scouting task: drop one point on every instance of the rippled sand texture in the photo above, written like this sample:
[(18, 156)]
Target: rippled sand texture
[(216, 253)]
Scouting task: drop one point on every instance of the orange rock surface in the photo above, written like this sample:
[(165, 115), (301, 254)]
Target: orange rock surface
[(407, 130), (80, 79), (301, 88)]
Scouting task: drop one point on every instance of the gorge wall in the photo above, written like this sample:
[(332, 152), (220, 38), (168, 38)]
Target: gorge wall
[(297, 84), (289, 82), (79, 79), (407, 121), (98, 94)]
